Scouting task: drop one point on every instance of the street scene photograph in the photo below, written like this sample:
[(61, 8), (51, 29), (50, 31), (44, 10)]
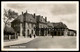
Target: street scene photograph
[(42, 25)]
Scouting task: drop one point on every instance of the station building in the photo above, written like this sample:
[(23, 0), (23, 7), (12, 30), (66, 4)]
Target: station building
[(25, 24), (28, 24)]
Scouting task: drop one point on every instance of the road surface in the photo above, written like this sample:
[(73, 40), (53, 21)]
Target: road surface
[(48, 42)]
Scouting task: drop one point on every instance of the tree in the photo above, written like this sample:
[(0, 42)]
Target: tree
[(9, 15)]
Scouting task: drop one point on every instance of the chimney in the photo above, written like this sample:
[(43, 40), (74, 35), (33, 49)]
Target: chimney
[(22, 13), (26, 11), (34, 15), (46, 19)]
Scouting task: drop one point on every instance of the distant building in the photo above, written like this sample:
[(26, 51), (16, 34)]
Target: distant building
[(60, 29), (71, 32)]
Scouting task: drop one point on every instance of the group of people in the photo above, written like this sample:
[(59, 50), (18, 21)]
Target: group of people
[(33, 35)]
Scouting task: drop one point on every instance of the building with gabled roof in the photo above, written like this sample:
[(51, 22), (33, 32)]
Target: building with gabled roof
[(25, 24), (41, 25), (28, 24), (60, 29)]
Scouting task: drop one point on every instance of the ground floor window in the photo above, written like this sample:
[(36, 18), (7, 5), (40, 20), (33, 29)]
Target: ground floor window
[(32, 31), (28, 32)]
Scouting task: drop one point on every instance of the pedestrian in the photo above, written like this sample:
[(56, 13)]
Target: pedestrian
[(30, 36), (34, 35), (52, 34)]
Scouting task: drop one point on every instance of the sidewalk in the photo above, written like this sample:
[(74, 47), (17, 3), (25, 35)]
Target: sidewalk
[(20, 40)]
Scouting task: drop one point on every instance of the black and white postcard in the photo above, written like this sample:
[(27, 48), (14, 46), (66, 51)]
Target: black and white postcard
[(39, 25)]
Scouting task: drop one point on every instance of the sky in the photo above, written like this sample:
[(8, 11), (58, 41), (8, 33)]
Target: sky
[(55, 12)]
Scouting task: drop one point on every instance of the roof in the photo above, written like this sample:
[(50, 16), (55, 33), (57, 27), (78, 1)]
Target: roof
[(72, 30), (28, 18), (59, 25), (40, 19), (17, 29), (49, 24)]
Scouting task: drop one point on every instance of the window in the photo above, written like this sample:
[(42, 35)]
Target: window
[(28, 24), (32, 31), (32, 25), (41, 26), (27, 32)]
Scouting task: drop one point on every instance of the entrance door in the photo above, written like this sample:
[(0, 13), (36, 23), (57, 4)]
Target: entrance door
[(42, 32), (55, 33)]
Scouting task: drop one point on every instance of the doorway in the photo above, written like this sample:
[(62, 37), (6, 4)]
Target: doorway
[(42, 32)]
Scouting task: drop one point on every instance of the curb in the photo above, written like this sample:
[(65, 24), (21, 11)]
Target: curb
[(20, 42)]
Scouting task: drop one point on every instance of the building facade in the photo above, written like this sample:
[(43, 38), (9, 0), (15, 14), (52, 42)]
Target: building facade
[(41, 26), (50, 27), (60, 29), (25, 24), (71, 32), (31, 24)]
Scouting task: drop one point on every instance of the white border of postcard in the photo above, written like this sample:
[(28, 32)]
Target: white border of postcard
[(2, 4)]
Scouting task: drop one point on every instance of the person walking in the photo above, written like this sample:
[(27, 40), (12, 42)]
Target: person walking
[(34, 35), (30, 36), (52, 34)]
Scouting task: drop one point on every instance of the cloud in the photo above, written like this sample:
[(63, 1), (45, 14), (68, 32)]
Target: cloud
[(61, 9), (32, 8), (69, 18)]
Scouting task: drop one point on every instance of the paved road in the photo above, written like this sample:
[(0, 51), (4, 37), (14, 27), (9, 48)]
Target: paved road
[(49, 42)]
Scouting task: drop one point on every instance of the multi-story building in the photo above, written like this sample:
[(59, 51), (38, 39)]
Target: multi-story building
[(30, 24), (25, 24), (50, 27), (41, 25)]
